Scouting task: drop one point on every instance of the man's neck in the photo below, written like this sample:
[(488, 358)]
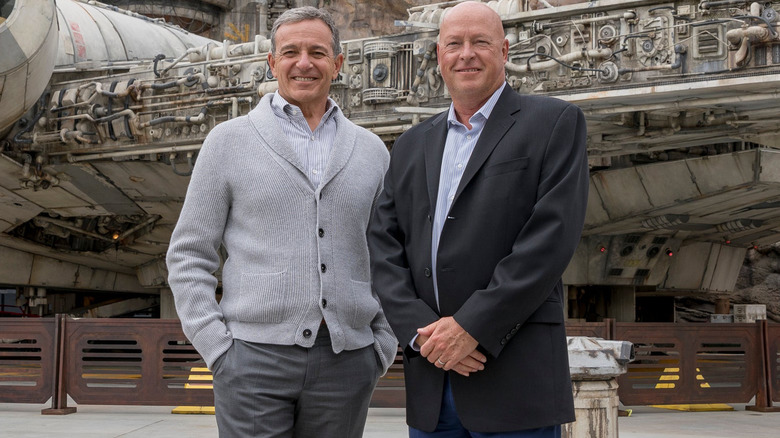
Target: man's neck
[(466, 106), (464, 110), (313, 114), (311, 111)]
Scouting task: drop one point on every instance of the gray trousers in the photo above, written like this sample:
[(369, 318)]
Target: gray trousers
[(264, 390)]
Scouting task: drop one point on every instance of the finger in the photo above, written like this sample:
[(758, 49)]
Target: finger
[(462, 370), (472, 363), (477, 355), (427, 348), (428, 329)]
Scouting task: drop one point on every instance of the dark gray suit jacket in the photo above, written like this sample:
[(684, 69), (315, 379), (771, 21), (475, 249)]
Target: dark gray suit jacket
[(510, 233)]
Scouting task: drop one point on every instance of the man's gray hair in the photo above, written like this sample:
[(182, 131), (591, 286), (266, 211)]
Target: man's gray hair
[(304, 13)]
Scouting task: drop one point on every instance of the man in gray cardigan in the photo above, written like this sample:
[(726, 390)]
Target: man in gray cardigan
[(298, 340)]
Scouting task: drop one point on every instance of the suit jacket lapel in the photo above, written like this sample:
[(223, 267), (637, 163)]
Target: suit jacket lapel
[(499, 122), (434, 138)]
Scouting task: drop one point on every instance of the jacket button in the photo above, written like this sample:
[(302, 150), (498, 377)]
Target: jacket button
[(321, 232), (323, 268), (513, 331), (427, 272), (324, 303), (307, 333), (503, 342), (518, 326)]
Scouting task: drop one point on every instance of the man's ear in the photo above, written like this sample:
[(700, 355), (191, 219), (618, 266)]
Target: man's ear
[(271, 63), (337, 64)]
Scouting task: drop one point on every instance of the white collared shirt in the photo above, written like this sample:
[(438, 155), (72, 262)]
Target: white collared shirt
[(457, 151), (312, 147)]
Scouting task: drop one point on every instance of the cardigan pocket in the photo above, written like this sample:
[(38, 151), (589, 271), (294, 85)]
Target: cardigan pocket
[(364, 305), (263, 298)]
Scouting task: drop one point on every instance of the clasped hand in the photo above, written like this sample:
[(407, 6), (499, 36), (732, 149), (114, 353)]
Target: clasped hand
[(448, 346)]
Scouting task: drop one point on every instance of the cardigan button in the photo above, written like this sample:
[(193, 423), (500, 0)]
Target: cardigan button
[(323, 268), (324, 303), (321, 232), (307, 333)]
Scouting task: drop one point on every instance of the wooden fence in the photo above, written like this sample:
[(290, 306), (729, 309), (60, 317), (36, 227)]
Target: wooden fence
[(150, 362)]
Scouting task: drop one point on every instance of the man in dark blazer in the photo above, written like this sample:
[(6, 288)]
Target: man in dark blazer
[(481, 211)]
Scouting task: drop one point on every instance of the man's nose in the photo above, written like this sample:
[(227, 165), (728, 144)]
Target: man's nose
[(304, 60), (466, 51)]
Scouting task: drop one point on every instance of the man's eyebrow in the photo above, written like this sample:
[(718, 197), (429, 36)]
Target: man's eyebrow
[(312, 47)]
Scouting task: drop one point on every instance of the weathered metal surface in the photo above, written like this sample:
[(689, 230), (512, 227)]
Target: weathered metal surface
[(691, 363), (26, 359), (150, 362), (671, 107), (28, 40)]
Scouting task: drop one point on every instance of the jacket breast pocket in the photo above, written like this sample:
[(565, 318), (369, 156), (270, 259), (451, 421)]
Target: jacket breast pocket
[(506, 167)]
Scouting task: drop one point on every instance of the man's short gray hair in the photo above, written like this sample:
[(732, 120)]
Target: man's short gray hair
[(304, 13)]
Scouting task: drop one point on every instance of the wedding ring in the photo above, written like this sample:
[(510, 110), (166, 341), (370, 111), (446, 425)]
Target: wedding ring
[(440, 362)]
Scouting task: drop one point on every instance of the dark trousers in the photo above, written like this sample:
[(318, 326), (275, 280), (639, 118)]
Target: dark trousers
[(450, 427), (281, 391)]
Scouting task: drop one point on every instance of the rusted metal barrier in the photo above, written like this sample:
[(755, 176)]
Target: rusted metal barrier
[(773, 361), (132, 362), (150, 362), (27, 350), (601, 329), (690, 363), (768, 364)]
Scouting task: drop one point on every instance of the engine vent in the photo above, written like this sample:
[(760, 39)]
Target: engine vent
[(707, 42)]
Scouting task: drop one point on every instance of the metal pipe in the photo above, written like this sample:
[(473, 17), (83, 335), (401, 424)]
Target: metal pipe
[(137, 227), (116, 115), (692, 103), (755, 33), (68, 226), (191, 165), (742, 53), (626, 16), (602, 53), (711, 4), (181, 119), (177, 60), (129, 153)]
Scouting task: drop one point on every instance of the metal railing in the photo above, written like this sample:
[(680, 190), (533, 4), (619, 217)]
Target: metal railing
[(150, 362)]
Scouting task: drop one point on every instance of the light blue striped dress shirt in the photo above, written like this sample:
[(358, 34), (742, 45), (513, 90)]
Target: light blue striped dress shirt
[(312, 148), (457, 151)]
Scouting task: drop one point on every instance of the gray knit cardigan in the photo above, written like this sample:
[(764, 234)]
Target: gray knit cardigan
[(296, 253)]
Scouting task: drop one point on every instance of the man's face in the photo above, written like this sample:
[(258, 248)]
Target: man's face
[(472, 52), (304, 63)]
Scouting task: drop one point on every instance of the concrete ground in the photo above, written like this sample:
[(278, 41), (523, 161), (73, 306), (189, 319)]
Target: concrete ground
[(25, 420)]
